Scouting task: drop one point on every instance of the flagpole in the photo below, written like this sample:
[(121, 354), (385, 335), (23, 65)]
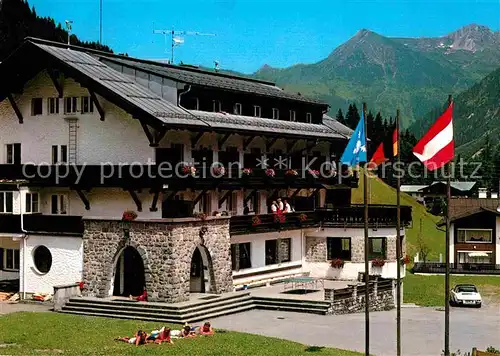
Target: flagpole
[(447, 270), (398, 243), (367, 276)]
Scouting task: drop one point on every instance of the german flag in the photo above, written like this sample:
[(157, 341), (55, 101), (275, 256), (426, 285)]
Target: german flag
[(386, 150)]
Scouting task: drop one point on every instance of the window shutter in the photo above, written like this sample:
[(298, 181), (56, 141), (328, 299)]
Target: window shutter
[(1, 258)]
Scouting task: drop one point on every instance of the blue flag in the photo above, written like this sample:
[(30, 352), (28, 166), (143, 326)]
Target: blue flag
[(355, 152)]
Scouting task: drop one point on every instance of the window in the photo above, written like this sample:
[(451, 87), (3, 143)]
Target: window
[(59, 204), (376, 247), (13, 153), (70, 105), (256, 111), (42, 259), (292, 115), (474, 236), (309, 118), (237, 109), (278, 251), (36, 106), (240, 256), (59, 154), (31, 203), (338, 247), (53, 106), (11, 258), (6, 202), (87, 105), (276, 114), (216, 106), (475, 257)]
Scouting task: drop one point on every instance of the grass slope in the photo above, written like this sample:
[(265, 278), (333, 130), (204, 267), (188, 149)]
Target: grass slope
[(381, 193), (429, 290), (53, 333)]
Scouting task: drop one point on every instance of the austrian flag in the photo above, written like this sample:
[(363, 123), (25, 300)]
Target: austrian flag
[(437, 147)]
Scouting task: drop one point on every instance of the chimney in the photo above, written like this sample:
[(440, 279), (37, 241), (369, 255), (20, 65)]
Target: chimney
[(483, 193)]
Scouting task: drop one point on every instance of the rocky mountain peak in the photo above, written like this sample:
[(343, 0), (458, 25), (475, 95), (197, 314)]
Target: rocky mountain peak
[(472, 37)]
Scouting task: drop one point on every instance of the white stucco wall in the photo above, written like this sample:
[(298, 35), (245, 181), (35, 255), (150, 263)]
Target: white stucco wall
[(452, 243), (119, 138), (67, 263), (258, 250), (497, 247)]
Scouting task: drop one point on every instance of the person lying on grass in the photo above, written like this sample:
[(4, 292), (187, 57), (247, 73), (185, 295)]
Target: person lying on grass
[(162, 336), (139, 338), (187, 332), (206, 329)]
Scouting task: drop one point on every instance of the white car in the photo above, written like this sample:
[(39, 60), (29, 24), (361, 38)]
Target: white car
[(466, 295)]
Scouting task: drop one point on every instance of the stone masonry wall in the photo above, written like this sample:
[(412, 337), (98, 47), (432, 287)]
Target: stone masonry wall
[(316, 249), (166, 249)]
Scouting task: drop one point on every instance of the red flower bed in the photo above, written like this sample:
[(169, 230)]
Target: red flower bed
[(337, 263), (378, 262)]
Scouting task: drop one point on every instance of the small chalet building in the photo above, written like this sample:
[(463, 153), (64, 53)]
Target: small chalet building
[(88, 135), (475, 234)]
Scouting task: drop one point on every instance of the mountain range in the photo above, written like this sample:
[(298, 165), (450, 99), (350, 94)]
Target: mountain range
[(414, 74)]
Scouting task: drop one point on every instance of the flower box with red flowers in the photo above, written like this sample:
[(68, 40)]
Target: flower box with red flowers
[(291, 173), (129, 215), (279, 218), (256, 221), (312, 172), (270, 172), (189, 170), (406, 260), (201, 216), (302, 217), (219, 171), (337, 263), (246, 171), (378, 262)]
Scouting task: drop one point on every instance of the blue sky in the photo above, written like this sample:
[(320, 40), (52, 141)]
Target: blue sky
[(250, 34)]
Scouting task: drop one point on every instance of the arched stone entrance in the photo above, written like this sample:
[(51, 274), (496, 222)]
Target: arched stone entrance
[(129, 273), (201, 273)]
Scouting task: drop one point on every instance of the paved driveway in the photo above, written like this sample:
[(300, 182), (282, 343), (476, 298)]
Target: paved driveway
[(422, 329)]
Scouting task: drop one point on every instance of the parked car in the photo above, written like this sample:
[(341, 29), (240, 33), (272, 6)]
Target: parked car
[(465, 295)]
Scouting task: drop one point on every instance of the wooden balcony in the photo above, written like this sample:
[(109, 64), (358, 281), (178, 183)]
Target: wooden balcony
[(155, 177), (345, 217), (457, 268), (38, 223)]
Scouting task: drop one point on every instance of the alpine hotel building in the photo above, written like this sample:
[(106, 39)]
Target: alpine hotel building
[(84, 136)]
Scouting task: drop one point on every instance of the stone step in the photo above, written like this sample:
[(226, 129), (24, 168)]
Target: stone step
[(292, 301), (295, 309), (153, 309), (293, 304), (153, 313), (209, 315)]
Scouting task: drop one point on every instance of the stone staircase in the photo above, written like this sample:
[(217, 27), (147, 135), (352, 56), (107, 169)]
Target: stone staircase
[(180, 313), (291, 305)]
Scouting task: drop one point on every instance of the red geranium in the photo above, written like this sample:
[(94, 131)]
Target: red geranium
[(129, 215), (256, 221)]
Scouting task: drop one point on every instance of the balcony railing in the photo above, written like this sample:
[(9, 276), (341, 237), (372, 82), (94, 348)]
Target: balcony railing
[(457, 268), (349, 216), (38, 223), (156, 176)]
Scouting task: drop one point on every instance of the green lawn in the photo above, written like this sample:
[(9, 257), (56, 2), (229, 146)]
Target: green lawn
[(53, 333), (429, 290), (381, 193)]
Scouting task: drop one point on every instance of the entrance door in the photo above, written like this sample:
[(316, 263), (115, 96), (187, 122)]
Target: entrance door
[(197, 281), (129, 276)]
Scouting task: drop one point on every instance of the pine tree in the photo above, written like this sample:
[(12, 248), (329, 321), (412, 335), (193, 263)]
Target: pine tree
[(352, 117), (378, 126), (340, 117)]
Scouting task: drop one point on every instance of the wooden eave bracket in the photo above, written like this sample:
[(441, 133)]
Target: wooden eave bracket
[(195, 139), (223, 140), (224, 198), (16, 108), (247, 142), (136, 199), (83, 198), (56, 82), (97, 104), (296, 192), (310, 145), (270, 143), (171, 195), (198, 198), (156, 195), (313, 192), (247, 198), (154, 135)]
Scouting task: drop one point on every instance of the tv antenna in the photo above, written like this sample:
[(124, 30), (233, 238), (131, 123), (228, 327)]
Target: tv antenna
[(176, 40), (68, 28)]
